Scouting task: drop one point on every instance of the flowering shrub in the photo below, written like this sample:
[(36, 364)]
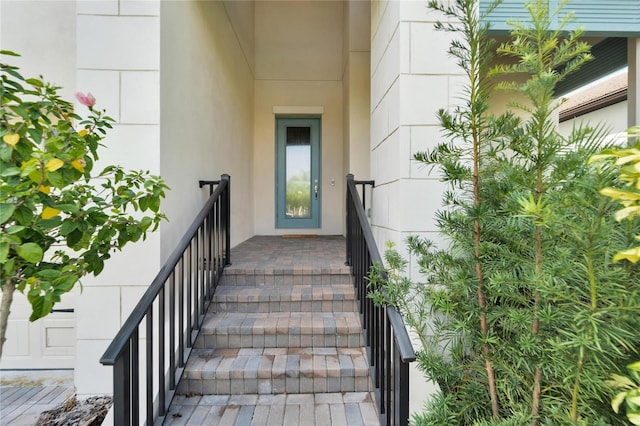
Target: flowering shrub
[(59, 218)]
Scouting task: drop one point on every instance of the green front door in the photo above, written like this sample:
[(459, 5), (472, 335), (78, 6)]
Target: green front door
[(298, 191)]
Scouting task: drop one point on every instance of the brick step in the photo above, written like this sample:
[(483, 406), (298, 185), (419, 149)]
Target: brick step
[(335, 409), (275, 371), (290, 276), (297, 298), (280, 329)]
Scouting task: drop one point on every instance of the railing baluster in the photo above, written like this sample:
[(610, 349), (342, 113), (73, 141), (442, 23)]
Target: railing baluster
[(161, 351), (190, 303), (389, 347), (198, 261), (135, 375), (172, 330), (121, 388), (149, 365), (181, 333)]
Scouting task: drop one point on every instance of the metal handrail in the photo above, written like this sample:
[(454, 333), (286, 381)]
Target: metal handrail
[(194, 268), (389, 346)]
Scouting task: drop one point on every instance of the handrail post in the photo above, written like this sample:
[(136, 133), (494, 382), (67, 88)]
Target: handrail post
[(227, 219), (389, 347), (349, 230)]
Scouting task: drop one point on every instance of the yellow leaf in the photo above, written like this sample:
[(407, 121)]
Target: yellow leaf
[(627, 213), (632, 255), (49, 212), (44, 189), (619, 194), (78, 164), (598, 157), (54, 164), (628, 158), (11, 139), (634, 418), (617, 401), (83, 132)]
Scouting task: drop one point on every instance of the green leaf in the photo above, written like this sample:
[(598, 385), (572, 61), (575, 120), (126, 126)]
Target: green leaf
[(40, 306), (14, 229), (24, 215), (5, 153), (65, 283), (4, 251), (10, 171), (154, 204), (73, 238), (9, 267), (68, 227), (50, 223), (35, 82), (48, 274), (31, 252), (635, 366), (6, 211), (68, 208)]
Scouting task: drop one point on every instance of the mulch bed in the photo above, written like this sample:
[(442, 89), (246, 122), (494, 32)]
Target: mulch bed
[(90, 412)]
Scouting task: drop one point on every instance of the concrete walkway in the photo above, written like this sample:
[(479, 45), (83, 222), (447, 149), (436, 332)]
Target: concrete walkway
[(25, 394)]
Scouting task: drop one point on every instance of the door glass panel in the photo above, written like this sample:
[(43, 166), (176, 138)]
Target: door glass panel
[(298, 173)]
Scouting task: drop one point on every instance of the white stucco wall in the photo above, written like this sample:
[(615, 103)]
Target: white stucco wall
[(301, 66), (412, 77), (43, 32), (118, 60), (325, 94), (614, 117), (633, 60), (207, 110), (357, 88)]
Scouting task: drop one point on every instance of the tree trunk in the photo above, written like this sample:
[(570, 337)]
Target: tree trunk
[(7, 298)]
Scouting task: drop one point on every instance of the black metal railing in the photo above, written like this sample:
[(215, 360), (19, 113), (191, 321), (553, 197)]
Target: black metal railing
[(150, 351), (388, 344)]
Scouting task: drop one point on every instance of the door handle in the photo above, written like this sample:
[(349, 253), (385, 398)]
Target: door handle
[(315, 188)]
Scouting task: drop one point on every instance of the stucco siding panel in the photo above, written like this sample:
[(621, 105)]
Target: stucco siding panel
[(421, 97), (128, 43)]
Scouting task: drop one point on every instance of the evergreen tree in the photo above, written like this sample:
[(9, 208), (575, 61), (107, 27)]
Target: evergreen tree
[(524, 315)]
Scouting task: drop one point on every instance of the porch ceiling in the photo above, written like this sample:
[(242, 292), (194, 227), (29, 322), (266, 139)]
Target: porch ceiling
[(291, 39)]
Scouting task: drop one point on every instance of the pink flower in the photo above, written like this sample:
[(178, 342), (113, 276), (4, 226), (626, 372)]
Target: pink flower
[(86, 100)]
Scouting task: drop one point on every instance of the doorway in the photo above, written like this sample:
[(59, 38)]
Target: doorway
[(298, 192)]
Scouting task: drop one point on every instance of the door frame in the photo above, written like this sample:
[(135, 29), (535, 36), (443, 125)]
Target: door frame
[(315, 124)]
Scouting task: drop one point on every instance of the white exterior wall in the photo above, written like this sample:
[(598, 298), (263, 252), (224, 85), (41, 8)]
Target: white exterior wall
[(118, 60), (357, 88), (42, 32), (412, 77), (633, 59), (614, 117), (299, 70), (207, 113)]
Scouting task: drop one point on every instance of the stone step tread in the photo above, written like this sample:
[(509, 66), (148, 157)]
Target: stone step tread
[(323, 409), (258, 363), (281, 323), (294, 270), (263, 293), (285, 306), (276, 371), (270, 279)]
